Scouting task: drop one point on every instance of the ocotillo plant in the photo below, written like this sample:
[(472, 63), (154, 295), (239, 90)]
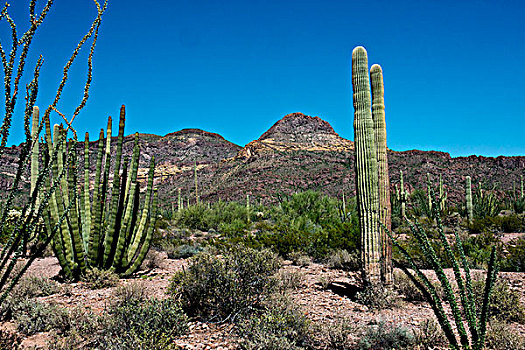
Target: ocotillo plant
[(471, 329), (366, 169), (14, 61), (468, 199), (107, 232), (385, 210)]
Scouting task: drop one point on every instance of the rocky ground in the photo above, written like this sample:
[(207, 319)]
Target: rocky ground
[(324, 294)]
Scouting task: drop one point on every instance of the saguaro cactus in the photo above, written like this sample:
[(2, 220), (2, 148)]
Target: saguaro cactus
[(366, 169), (402, 195), (385, 210), (468, 198)]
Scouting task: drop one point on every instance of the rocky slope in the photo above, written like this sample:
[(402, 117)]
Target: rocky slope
[(297, 153)]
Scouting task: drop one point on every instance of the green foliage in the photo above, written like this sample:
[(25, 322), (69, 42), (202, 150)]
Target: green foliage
[(515, 258), (27, 228), (277, 326), (505, 304), (219, 287), (507, 223), (149, 321), (33, 316), (461, 300), (133, 323), (485, 203), (383, 336), (501, 336)]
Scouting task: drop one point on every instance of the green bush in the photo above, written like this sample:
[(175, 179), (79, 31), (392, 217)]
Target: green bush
[(148, 321), (221, 286), (500, 337), (278, 326), (382, 337), (505, 304), (429, 335), (515, 258), (477, 248), (33, 316)]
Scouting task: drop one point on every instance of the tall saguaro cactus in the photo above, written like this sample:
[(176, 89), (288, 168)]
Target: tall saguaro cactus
[(468, 199), (366, 169), (385, 210)]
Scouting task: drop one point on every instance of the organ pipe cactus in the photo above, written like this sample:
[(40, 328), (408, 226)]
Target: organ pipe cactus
[(107, 232), (366, 169), (385, 210)]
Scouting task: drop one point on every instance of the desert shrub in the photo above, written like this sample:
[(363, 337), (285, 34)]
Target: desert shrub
[(505, 303), (222, 286), (477, 248), (407, 288), (300, 259), (385, 337), (149, 320), (34, 286), (498, 223), (219, 214), (153, 260), (129, 324), (130, 292), (515, 258), (499, 336), (279, 325), (95, 278), (33, 316), (429, 335), (289, 279), (377, 297), (343, 260), (337, 335)]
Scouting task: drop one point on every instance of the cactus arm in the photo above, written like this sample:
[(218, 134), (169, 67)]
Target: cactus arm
[(385, 209), (86, 205), (147, 240), (76, 239), (93, 246), (140, 230), (121, 220), (366, 169), (113, 225)]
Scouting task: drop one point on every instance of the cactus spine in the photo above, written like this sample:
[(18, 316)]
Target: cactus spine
[(107, 233), (366, 169), (468, 197), (385, 210)]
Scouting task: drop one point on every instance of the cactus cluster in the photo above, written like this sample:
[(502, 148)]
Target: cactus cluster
[(372, 182), (101, 230)]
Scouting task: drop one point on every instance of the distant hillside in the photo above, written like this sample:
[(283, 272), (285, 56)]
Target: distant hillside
[(297, 153)]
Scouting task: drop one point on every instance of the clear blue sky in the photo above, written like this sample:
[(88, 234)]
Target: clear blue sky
[(454, 72)]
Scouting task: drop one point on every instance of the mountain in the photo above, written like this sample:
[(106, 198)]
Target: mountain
[(297, 153)]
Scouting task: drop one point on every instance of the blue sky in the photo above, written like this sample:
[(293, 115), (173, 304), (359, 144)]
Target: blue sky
[(453, 70)]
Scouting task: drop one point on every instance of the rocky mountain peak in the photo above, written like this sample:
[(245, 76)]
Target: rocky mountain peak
[(301, 128)]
